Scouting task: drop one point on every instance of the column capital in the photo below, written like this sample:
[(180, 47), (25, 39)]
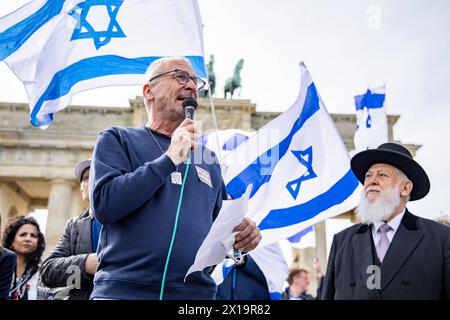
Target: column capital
[(58, 180)]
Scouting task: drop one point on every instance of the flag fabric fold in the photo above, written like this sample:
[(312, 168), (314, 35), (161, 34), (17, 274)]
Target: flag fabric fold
[(304, 239), (223, 142), (58, 48), (371, 120), (298, 167)]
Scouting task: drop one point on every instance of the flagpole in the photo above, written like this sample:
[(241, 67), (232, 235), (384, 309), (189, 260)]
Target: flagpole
[(213, 110)]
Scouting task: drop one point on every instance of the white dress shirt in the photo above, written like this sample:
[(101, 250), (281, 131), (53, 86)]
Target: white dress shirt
[(394, 224)]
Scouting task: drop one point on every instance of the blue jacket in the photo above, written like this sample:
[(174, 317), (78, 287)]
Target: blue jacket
[(244, 282), (133, 198), (7, 268)]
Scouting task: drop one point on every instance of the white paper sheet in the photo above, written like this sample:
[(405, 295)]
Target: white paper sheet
[(220, 238)]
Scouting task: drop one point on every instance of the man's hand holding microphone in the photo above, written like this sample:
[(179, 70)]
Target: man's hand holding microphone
[(185, 137)]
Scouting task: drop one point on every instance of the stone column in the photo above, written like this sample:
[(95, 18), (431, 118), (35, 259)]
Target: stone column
[(59, 203), (321, 243)]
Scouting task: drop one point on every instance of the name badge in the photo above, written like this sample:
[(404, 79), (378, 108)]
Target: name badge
[(204, 176), (175, 178)]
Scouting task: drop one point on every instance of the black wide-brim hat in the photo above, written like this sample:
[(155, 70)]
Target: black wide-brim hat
[(397, 156)]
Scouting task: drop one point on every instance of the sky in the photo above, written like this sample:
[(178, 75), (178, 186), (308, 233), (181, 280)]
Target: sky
[(346, 45)]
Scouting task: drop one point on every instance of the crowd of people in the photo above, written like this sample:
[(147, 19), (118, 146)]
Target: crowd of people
[(136, 240)]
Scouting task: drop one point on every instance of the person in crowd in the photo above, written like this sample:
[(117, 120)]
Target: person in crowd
[(75, 255), (155, 207), (298, 283), (7, 267), (391, 254), (24, 237)]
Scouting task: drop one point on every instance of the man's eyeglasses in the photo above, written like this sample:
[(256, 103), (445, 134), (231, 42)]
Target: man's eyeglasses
[(183, 77)]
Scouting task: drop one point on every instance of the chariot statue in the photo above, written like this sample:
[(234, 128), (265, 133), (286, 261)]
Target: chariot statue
[(211, 77), (235, 82)]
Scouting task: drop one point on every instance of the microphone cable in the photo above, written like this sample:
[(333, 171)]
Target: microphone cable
[(190, 105), (174, 229)]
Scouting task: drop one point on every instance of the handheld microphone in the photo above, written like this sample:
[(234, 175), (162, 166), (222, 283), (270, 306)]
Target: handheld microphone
[(190, 105)]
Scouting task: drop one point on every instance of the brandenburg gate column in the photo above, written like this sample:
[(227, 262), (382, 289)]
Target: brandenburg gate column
[(59, 206), (321, 244)]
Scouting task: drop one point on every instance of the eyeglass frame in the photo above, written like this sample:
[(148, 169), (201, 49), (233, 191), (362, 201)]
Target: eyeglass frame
[(194, 78)]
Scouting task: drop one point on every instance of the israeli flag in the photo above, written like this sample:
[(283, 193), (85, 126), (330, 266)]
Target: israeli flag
[(298, 166), (304, 239), (224, 141), (271, 262), (60, 47), (371, 119)]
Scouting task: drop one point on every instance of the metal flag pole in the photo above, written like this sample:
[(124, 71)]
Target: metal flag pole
[(213, 110)]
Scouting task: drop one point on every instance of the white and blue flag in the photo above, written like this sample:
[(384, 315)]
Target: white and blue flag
[(299, 168), (269, 259), (371, 119), (304, 239), (223, 142), (58, 48)]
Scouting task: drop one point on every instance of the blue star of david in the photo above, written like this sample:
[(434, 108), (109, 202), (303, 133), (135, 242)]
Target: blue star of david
[(305, 157), (369, 121), (84, 29)]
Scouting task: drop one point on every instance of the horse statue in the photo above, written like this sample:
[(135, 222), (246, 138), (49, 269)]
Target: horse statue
[(211, 77), (235, 82)]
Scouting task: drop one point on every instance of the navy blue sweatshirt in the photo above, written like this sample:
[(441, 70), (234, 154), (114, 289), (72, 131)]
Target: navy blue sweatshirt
[(133, 198)]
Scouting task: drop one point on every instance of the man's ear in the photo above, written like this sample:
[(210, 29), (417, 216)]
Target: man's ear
[(406, 188), (147, 92)]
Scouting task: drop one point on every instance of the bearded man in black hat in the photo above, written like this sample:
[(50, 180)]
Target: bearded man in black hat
[(391, 254)]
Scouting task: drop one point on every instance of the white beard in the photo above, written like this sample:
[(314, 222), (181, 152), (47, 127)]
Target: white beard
[(380, 209)]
